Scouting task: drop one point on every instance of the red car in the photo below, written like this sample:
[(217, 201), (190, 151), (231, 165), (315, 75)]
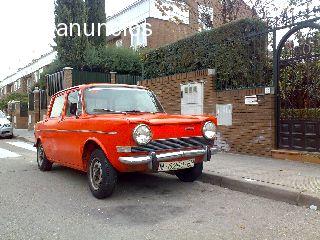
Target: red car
[(105, 129)]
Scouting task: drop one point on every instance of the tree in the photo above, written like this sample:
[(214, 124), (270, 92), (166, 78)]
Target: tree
[(19, 97), (96, 15), (72, 44)]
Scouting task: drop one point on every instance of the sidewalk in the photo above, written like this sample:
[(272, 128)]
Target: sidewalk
[(293, 182), (23, 134)]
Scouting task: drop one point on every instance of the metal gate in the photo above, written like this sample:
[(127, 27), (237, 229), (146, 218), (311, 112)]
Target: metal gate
[(192, 99), (298, 89)]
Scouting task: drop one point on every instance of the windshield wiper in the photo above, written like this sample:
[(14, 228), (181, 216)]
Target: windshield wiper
[(134, 111), (106, 110), (137, 111)]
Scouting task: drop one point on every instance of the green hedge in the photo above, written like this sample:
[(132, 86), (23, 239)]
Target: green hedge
[(238, 54)]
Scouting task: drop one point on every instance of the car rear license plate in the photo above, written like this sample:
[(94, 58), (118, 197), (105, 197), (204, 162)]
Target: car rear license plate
[(172, 166)]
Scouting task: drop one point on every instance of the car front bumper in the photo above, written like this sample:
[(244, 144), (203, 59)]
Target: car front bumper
[(6, 132), (153, 158)]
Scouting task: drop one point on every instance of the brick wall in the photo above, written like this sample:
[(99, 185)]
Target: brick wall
[(163, 33), (253, 127)]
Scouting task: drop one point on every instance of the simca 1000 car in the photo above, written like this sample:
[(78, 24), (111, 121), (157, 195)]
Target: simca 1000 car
[(106, 129)]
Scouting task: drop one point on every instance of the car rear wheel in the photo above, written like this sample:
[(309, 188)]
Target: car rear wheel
[(43, 163), (190, 174), (102, 176)]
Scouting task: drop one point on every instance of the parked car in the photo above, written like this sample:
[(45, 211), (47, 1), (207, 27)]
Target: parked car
[(106, 129), (6, 129)]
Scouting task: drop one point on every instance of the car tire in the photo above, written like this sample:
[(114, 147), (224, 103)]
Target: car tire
[(190, 174), (43, 163), (102, 177)]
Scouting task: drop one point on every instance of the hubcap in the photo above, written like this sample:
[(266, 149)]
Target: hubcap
[(96, 174), (40, 157)]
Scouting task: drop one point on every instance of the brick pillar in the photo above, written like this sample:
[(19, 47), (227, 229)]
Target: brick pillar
[(67, 81), (36, 93), (113, 77)]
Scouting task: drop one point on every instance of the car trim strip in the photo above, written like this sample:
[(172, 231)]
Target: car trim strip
[(77, 131)]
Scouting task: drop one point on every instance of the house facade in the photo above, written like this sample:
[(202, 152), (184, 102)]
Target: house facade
[(144, 24), (22, 80)]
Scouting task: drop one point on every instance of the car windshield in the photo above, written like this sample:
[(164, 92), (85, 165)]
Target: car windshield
[(100, 100)]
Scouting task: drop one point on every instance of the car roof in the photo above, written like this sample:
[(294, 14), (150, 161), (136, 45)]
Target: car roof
[(109, 85)]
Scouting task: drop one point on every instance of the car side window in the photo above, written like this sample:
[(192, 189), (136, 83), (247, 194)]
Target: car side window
[(57, 107), (73, 104)]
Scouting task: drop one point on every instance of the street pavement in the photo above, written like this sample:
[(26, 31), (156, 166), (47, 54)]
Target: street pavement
[(58, 205), (292, 182)]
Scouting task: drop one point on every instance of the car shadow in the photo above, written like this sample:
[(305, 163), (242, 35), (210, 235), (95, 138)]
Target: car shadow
[(130, 184)]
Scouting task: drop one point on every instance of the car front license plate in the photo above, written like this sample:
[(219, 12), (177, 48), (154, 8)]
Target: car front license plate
[(172, 166)]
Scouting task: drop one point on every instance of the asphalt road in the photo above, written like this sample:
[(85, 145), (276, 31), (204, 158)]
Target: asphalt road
[(58, 205)]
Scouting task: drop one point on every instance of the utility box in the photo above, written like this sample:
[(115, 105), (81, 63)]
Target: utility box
[(192, 98), (224, 114)]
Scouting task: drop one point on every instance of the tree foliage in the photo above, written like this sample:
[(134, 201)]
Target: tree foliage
[(113, 59), (96, 15), (71, 48), (21, 97)]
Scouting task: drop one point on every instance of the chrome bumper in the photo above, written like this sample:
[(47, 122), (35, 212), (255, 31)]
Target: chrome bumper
[(165, 157)]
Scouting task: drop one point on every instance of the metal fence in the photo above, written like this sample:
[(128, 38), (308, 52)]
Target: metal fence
[(43, 99), (84, 77), (23, 109), (55, 83), (128, 79), (31, 101)]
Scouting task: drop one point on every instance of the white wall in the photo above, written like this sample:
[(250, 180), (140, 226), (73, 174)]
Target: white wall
[(42, 62), (139, 12)]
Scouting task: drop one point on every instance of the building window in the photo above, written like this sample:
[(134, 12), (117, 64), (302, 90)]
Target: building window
[(138, 36), (19, 84), (119, 43), (15, 86), (205, 17)]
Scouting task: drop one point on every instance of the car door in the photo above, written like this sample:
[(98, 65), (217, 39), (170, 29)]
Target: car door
[(51, 134), (71, 127)]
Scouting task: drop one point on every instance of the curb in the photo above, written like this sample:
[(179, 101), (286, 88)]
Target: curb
[(270, 191)]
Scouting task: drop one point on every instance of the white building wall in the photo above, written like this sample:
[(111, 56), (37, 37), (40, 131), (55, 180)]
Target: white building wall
[(138, 12), (37, 65)]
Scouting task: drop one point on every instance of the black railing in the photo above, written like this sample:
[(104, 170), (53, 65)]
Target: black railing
[(128, 79), (43, 99), (31, 101), (84, 77), (55, 83)]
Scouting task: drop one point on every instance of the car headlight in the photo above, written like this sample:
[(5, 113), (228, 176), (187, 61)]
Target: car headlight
[(209, 130), (142, 134)]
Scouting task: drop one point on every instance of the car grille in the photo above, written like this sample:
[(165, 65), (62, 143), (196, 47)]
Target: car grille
[(173, 144)]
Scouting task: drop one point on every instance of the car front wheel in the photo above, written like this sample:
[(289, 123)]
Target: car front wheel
[(190, 174), (102, 176), (43, 163)]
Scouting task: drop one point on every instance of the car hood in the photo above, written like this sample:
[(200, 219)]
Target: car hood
[(160, 119), (4, 121)]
